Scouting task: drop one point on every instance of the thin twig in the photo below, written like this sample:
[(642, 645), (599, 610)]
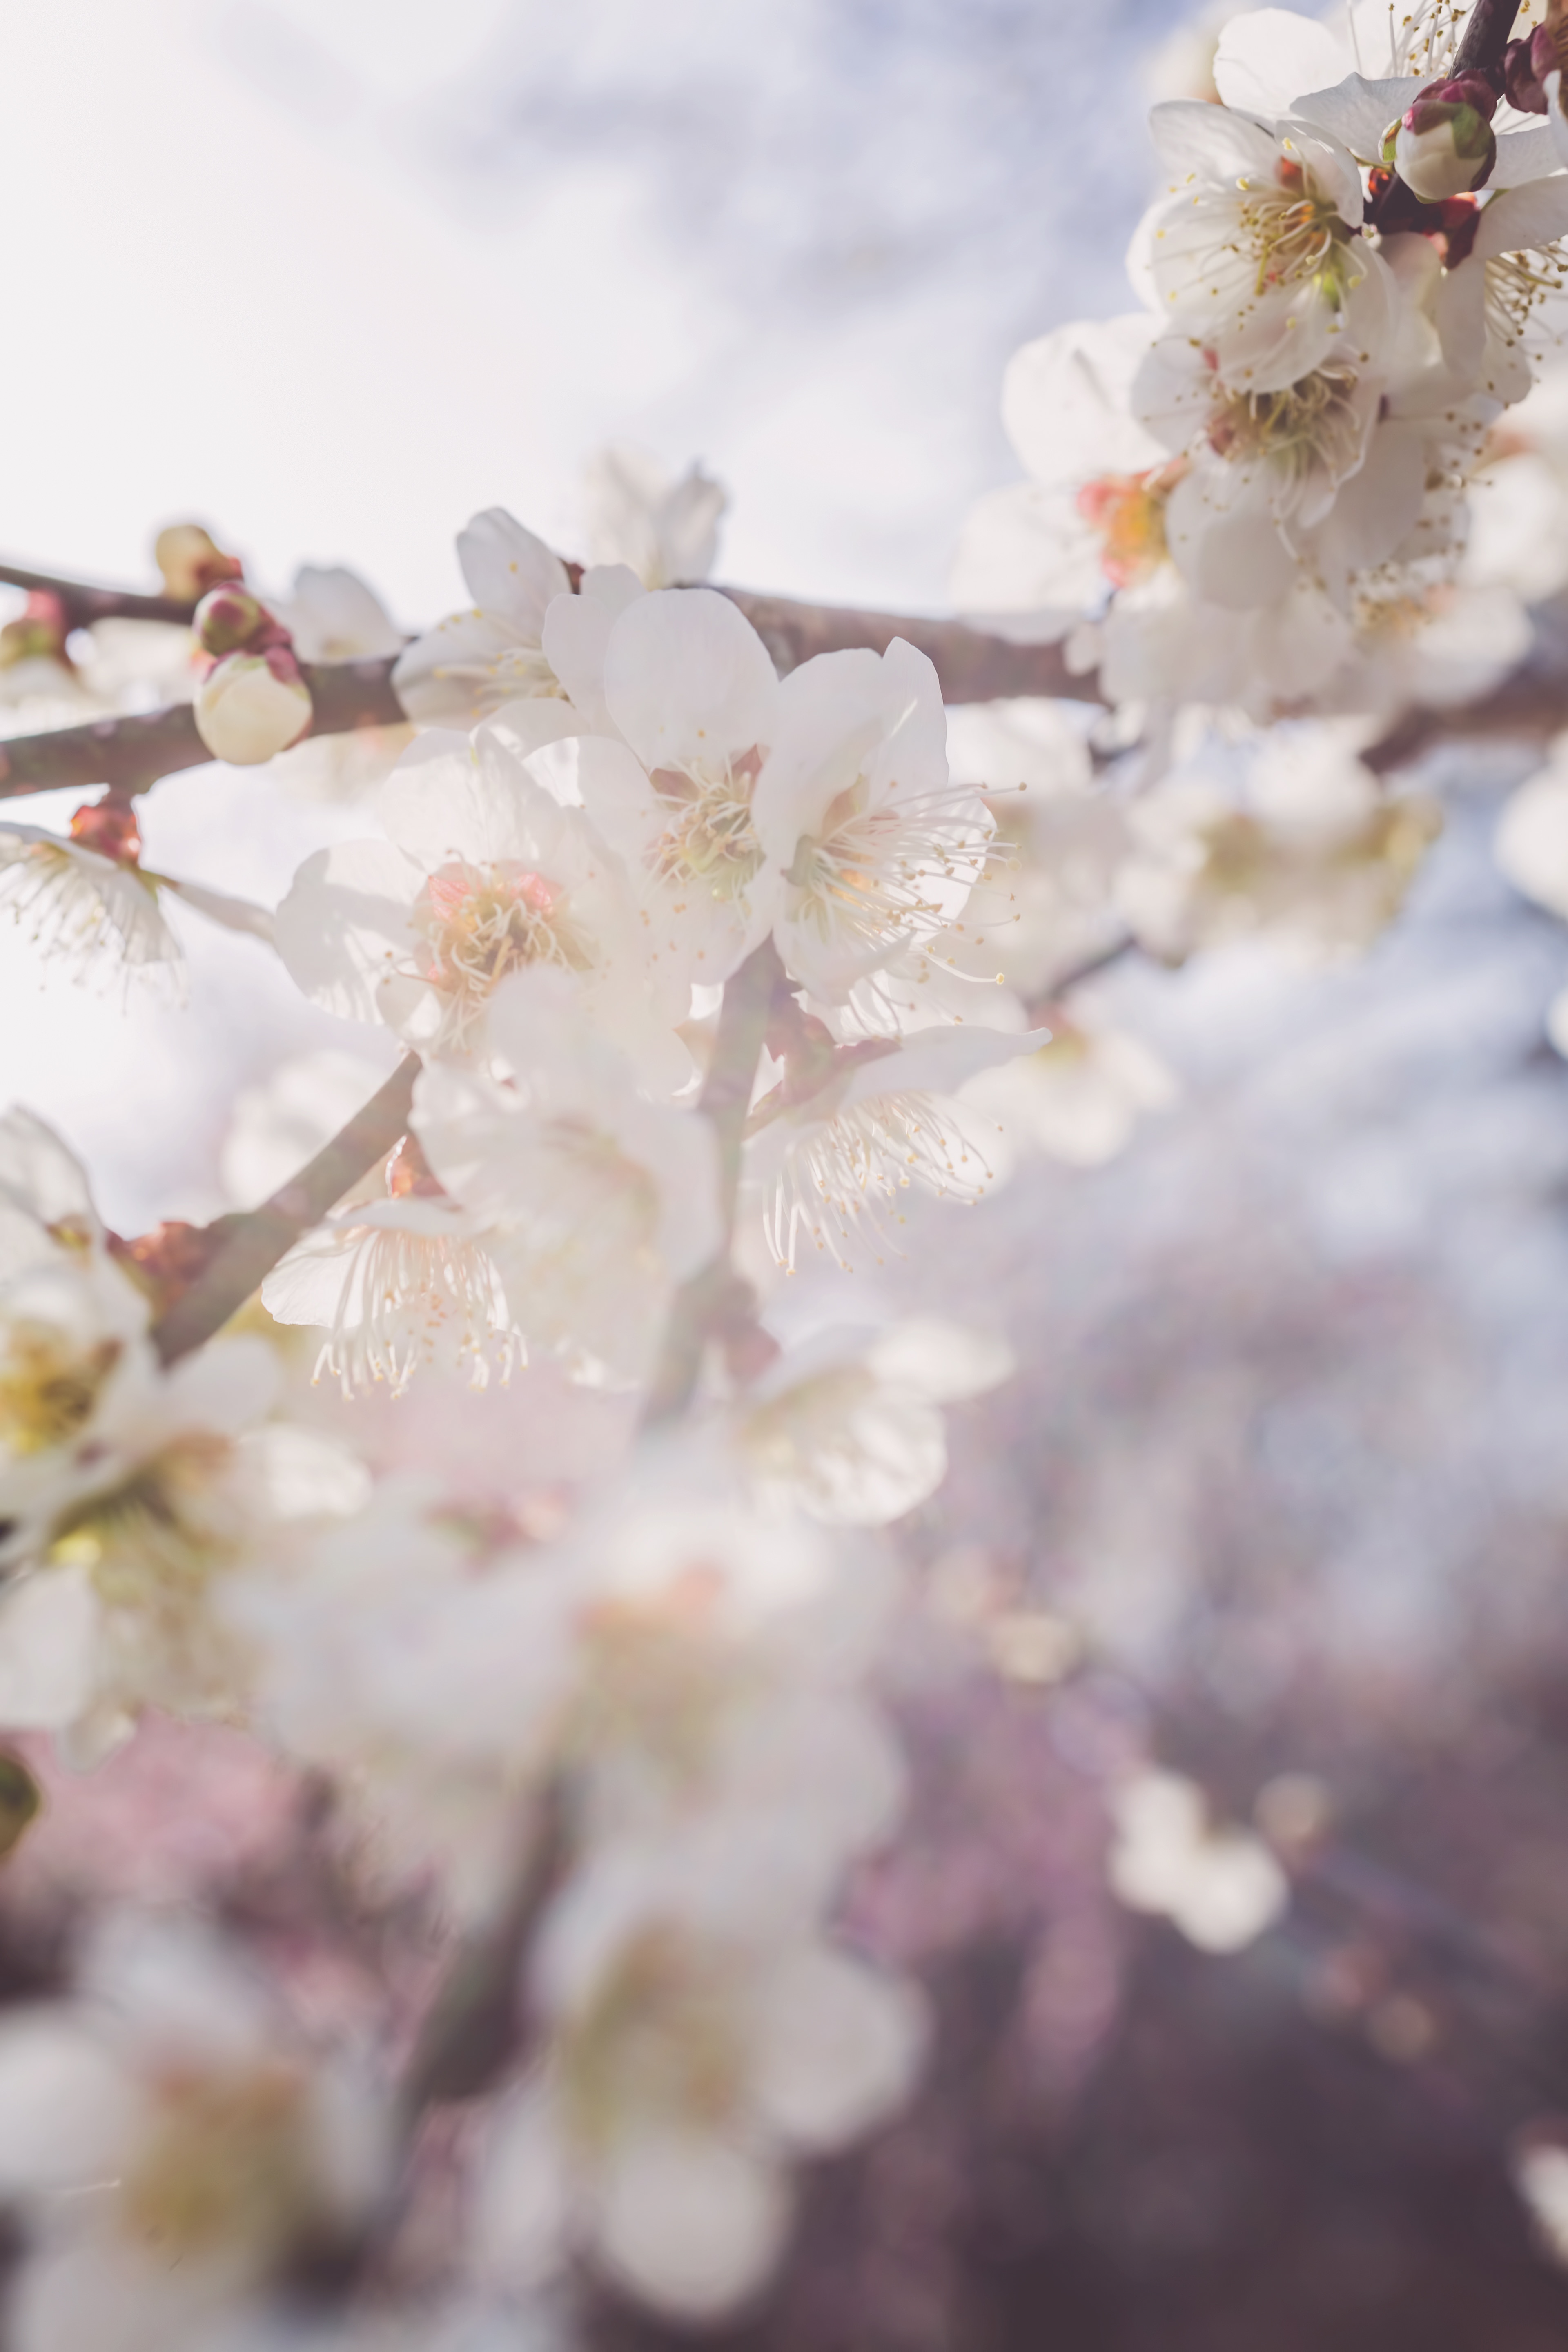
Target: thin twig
[(716, 1292), (83, 603), (249, 1245)]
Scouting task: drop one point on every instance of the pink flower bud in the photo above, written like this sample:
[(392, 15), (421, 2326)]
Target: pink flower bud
[(251, 707), (227, 618), (110, 826), (1444, 146)]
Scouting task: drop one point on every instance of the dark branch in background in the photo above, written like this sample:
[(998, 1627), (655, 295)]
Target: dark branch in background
[(1486, 37), (82, 603), (247, 1246), (973, 667)]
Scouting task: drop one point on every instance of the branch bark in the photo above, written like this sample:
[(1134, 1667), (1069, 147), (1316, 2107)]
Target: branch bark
[(83, 603), (249, 1245)]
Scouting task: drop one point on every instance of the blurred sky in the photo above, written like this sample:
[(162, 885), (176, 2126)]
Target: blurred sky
[(333, 274)]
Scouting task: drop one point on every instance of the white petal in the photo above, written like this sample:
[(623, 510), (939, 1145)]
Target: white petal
[(522, 2207), (689, 2225), (344, 924), (65, 2104), (840, 2048), (577, 630), (1266, 56), (1355, 111), (1535, 214), (49, 1648), (687, 677), (1524, 156), (509, 572), (1064, 401)]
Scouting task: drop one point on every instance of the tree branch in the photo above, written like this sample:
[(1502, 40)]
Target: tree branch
[(973, 667), (249, 1245), (84, 604), (133, 753)]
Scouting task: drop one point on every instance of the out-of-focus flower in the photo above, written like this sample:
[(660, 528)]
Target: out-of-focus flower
[(663, 526), (488, 870), (130, 1492), (1222, 1887), (474, 663), (836, 1167), (699, 2039), (1533, 836), (1079, 1098), (1319, 858), (192, 562), (847, 1426), (46, 1202), (172, 2146), (251, 707), (594, 1203)]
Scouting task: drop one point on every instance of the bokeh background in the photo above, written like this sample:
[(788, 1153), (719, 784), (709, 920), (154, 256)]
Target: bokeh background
[(1286, 1454)]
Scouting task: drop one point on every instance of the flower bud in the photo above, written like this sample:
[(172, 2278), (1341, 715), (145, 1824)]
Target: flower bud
[(110, 826), (227, 618), (1444, 146), (251, 707), (192, 562), (39, 634)]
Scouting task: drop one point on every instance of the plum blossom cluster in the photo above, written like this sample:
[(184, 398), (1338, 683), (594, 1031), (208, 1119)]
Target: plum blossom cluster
[(700, 964)]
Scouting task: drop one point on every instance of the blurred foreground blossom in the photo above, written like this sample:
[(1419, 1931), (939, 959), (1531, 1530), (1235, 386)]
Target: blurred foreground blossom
[(662, 526)]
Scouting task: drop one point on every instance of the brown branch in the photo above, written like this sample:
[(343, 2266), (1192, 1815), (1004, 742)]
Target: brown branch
[(133, 753), (249, 1245), (1531, 704), (84, 604), (973, 667)]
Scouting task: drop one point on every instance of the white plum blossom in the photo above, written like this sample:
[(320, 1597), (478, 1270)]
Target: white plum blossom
[(46, 1201), (847, 1425), (685, 681), (1256, 250), (171, 2145), (876, 847), (334, 615), (1036, 558), (663, 526), (473, 664), (1080, 1097), (594, 1203), (486, 869), (397, 1285), (131, 1492), (1222, 1887), (1318, 856), (699, 2038), (834, 1169), (1507, 302), (97, 917)]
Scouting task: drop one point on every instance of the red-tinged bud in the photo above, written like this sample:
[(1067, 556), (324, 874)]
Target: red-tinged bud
[(409, 1175), (192, 562), (1528, 63), (166, 1261), (37, 634), (251, 706), (109, 827), (229, 618), (1444, 146)]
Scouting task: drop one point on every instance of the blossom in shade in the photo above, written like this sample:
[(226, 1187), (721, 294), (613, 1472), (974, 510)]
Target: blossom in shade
[(474, 663), (1080, 1098), (663, 526), (171, 2146), (96, 915)]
